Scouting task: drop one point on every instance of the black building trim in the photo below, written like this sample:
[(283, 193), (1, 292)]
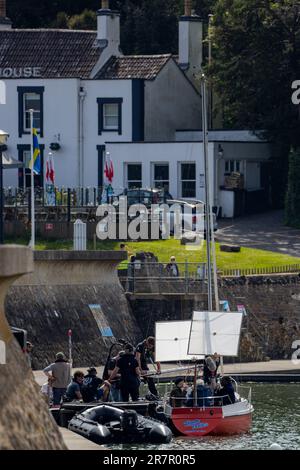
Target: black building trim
[(101, 150), (30, 89), (101, 102), (138, 110), (24, 147)]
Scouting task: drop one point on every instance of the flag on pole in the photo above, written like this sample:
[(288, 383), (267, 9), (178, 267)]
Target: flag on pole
[(36, 153), (109, 168)]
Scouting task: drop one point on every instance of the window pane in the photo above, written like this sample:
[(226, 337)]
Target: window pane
[(111, 109), (188, 171), (227, 166), (188, 188), (161, 172), (26, 158), (110, 122), (237, 166), (231, 165), (134, 172)]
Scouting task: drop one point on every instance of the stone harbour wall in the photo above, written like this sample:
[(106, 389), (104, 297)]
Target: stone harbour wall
[(58, 296)]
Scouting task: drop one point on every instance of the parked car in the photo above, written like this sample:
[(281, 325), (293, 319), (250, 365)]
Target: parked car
[(143, 196), (192, 215)]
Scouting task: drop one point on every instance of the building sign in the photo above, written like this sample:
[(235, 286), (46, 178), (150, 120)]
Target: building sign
[(49, 227), (20, 72), (241, 308)]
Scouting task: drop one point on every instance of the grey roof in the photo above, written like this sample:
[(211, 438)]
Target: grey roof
[(58, 53), (145, 67)]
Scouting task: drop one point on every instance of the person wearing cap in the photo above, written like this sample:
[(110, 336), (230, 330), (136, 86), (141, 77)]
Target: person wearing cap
[(59, 377), (172, 267), (178, 393), (128, 368), (90, 386)]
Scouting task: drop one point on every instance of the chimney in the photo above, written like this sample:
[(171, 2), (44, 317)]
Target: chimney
[(5, 22), (190, 42), (108, 29)]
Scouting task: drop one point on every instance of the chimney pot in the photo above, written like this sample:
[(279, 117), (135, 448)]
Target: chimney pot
[(2, 8), (105, 5), (187, 7)]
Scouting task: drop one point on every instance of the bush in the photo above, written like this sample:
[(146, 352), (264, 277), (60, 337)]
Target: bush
[(292, 201)]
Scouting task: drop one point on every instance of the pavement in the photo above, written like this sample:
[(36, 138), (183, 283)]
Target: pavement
[(75, 442), (264, 231), (285, 366)]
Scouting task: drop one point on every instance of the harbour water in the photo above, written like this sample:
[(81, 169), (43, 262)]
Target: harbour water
[(276, 419)]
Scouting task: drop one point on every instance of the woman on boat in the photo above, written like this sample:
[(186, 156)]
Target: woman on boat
[(226, 391), (210, 370)]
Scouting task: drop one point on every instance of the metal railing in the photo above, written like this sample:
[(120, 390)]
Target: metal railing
[(288, 268), (165, 278)]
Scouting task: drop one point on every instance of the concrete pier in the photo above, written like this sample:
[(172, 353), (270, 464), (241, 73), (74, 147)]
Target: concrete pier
[(25, 423)]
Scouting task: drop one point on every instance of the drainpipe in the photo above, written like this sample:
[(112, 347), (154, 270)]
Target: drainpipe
[(82, 95)]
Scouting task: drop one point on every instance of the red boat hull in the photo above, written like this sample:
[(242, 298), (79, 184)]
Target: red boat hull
[(198, 422)]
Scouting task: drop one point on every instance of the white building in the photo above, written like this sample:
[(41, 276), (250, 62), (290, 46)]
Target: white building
[(89, 99), (85, 92)]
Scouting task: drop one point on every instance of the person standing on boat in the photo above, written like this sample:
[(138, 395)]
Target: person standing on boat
[(226, 391), (60, 377), (210, 370), (144, 353), (128, 368), (115, 389)]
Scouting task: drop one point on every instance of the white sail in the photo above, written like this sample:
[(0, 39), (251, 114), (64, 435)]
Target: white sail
[(215, 332), (171, 341)]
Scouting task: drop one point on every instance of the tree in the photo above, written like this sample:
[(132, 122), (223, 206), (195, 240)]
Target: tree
[(292, 202), (256, 57), (85, 20)]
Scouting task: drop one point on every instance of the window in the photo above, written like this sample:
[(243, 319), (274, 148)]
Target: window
[(109, 115), (232, 166), (32, 101), (188, 180), (30, 98), (134, 175), (25, 173), (161, 176)]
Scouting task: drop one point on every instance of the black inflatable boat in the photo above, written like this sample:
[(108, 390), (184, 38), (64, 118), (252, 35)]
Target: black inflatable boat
[(106, 424)]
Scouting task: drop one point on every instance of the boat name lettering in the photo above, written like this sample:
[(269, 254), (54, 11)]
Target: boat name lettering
[(195, 424)]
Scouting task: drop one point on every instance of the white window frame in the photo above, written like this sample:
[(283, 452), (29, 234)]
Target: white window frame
[(26, 111), (127, 164), (153, 165), (235, 164), (187, 181), (107, 127)]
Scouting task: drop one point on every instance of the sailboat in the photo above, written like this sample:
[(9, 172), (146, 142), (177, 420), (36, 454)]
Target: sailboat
[(207, 333)]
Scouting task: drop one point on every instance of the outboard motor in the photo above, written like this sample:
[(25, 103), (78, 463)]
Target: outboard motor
[(129, 421)]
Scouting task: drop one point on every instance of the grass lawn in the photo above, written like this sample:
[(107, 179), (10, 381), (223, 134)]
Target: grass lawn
[(164, 249)]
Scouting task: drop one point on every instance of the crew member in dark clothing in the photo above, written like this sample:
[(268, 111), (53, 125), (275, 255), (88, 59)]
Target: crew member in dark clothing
[(128, 368), (115, 390), (91, 385), (226, 391), (144, 354), (178, 393)]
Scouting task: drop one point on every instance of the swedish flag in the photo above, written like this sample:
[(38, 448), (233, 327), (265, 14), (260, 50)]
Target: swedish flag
[(36, 153)]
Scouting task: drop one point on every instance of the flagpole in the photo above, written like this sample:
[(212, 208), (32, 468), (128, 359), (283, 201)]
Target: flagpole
[(32, 242)]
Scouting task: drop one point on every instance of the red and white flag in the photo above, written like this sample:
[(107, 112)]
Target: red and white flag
[(109, 169), (50, 173)]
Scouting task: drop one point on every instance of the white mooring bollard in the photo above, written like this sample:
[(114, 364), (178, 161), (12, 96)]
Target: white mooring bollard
[(79, 236)]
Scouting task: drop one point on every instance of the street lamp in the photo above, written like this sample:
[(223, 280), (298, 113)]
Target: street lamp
[(3, 138)]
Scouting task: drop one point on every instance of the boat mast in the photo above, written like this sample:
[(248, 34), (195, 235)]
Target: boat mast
[(207, 193), (209, 225)]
